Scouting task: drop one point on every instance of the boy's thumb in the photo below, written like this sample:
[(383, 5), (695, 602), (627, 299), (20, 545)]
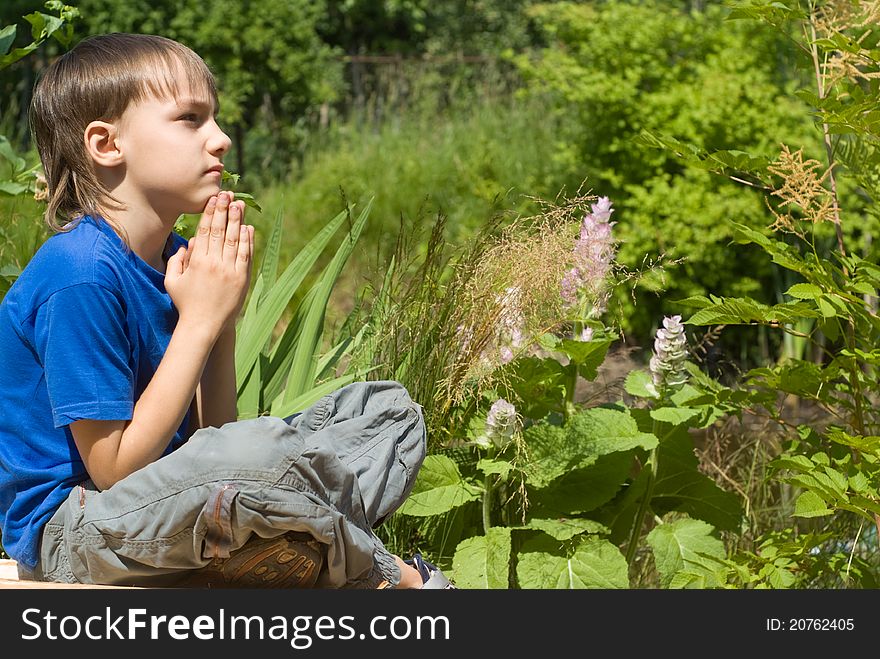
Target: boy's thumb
[(174, 267)]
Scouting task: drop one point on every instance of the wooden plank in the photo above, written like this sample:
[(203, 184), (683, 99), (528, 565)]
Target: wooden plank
[(8, 569), (9, 579)]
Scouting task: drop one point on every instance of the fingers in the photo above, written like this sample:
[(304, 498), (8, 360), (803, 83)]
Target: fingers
[(190, 246), (245, 248), (174, 267), (203, 230), (217, 237), (233, 230)]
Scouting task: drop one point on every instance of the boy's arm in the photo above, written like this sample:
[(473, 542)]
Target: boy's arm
[(111, 450), (216, 400), (208, 284)]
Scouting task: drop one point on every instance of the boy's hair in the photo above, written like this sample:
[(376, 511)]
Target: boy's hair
[(96, 81)]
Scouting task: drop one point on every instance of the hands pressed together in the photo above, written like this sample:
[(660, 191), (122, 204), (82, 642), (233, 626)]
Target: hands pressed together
[(208, 281)]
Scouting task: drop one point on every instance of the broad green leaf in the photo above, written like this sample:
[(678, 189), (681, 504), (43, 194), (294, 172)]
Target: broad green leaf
[(7, 36), (677, 544), (674, 415), (9, 155), (500, 467), (11, 188), (804, 291), (483, 562), (744, 311), (584, 489), (284, 349), (826, 308), (810, 504), (10, 271), (43, 25), (249, 393), (566, 528), (16, 54), (439, 488), (555, 450), (595, 563), (681, 486), (540, 384), (248, 200), (272, 251), (588, 355), (639, 383)]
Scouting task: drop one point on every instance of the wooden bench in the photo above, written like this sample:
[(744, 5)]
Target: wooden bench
[(9, 579)]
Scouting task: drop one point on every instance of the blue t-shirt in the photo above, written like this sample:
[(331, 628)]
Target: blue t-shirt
[(82, 331)]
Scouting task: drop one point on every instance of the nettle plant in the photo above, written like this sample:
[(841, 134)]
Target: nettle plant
[(824, 247), (541, 489)]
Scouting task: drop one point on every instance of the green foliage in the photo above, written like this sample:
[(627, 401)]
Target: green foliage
[(831, 467), (285, 373), (21, 234), (467, 164), (619, 72)]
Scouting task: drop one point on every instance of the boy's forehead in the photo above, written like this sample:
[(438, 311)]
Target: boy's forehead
[(173, 83)]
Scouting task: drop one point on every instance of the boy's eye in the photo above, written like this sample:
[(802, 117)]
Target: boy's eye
[(189, 117)]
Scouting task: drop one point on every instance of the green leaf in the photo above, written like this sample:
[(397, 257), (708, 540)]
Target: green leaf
[(674, 415), (804, 291), (248, 200), (9, 155), (585, 489), (637, 384), (540, 384), (595, 563), (272, 252), (253, 335), (302, 369), (501, 467), (43, 25), (567, 527), (598, 431), (681, 486), (285, 408), (483, 562), (439, 488), (588, 355), (676, 547), (11, 188), (810, 504), (7, 36)]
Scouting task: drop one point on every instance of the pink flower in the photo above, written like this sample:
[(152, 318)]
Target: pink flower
[(594, 254)]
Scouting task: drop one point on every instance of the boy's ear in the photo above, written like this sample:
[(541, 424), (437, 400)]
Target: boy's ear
[(101, 141)]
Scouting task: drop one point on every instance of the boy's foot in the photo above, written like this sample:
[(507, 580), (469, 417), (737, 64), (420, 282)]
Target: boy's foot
[(432, 577), (291, 560)]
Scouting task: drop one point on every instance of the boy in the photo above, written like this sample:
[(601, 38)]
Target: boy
[(118, 342)]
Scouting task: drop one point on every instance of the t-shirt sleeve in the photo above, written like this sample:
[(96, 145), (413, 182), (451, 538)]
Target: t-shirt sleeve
[(81, 340)]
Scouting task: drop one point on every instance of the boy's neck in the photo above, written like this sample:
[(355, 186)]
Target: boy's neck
[(146, 232)]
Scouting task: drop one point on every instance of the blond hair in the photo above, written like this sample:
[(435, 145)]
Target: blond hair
[(96, 81)]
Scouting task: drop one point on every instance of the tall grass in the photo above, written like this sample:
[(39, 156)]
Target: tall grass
[(468, 164)]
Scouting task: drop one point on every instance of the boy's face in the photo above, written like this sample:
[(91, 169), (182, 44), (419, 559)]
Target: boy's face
[(173, 152)]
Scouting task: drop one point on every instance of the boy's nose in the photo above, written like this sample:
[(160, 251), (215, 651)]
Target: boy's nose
[(220, 142)]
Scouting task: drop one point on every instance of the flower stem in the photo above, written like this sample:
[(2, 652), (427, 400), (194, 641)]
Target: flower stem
[(488, 493), (644, 503), (571, 385)]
